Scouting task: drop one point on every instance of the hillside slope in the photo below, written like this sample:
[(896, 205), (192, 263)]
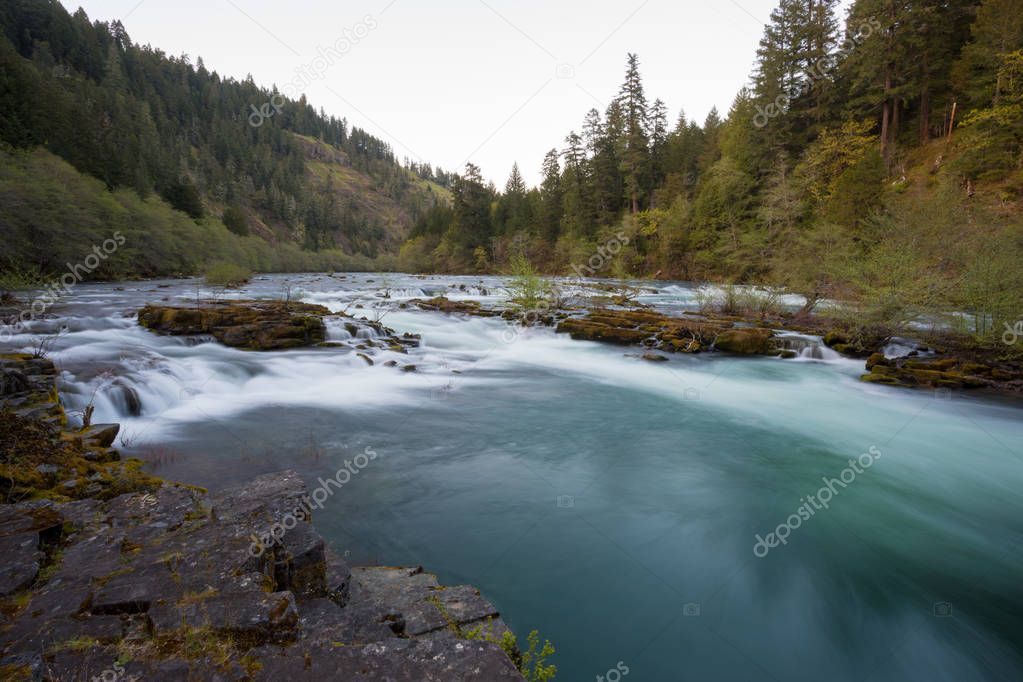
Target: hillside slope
[(135, 118), (53, 216)]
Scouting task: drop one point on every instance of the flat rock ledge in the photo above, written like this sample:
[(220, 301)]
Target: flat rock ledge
[(252, 325), (686, 334), (109, 573), (170, 585)]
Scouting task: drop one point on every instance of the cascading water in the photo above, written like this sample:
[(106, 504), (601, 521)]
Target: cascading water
[(808, 347), (576, 483)]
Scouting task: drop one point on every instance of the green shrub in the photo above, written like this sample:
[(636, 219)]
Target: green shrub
[(234, 219), (15, 278), (226, 275), (527, 289)]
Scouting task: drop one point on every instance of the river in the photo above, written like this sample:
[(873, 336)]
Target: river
[(611, 503)]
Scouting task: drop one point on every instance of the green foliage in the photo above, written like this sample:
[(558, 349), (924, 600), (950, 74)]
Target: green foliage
[(533, 662), (740, 300), (226, 275), (993, 143), (184, 196), (834, 153), (526, 288), (235, 220), (857, 192), (14, 277), (133, 117), (42, 195)]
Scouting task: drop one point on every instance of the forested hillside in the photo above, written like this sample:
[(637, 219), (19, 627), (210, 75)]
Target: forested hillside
[(876, 157), (878, 161), (137, 119)]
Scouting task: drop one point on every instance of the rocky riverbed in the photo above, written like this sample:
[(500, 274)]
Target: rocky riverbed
[(115, 573), (955, 364)]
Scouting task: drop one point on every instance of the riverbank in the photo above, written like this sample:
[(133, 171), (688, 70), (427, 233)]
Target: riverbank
[(115, 572)]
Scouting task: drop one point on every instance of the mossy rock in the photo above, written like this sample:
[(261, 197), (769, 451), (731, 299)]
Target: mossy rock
[(883, 379), (752, 341), (587, 330), (446, 305), (251, 325), (875, 360)]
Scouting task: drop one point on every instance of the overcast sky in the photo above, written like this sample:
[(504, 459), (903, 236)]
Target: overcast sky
[(450, 81)]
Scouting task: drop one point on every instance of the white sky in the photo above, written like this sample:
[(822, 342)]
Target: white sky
[(491, 81)]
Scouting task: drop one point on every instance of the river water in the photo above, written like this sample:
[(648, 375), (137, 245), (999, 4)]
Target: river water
[(611, 503)]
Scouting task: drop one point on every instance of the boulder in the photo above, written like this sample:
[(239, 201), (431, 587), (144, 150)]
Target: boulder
[(587, 330), (746, 341), (100, 435), (445, 305), (21, 563), (251, 325), (937, 372)]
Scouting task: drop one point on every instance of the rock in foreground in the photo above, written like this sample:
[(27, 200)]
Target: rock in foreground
[(170, 585)]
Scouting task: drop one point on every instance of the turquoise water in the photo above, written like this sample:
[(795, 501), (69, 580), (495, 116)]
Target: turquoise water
[(610, 503)]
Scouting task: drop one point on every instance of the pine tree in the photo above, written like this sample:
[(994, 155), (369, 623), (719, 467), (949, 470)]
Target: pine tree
[(471, 225), (515, 186), (997, 31), (551, 197), (793, 77), (576, 218), (657, 118), (635, 155)]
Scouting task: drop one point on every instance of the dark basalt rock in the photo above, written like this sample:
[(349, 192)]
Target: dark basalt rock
[(252, 325), (22, 561), (395, 660), (687, 334), (938, 372), (176, 569), (857, 344), (13, 382), (589, 330), (101, 435), (445, 305)]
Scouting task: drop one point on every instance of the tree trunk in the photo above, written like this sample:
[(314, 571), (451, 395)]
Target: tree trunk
[(925, 103), (886, 118)]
